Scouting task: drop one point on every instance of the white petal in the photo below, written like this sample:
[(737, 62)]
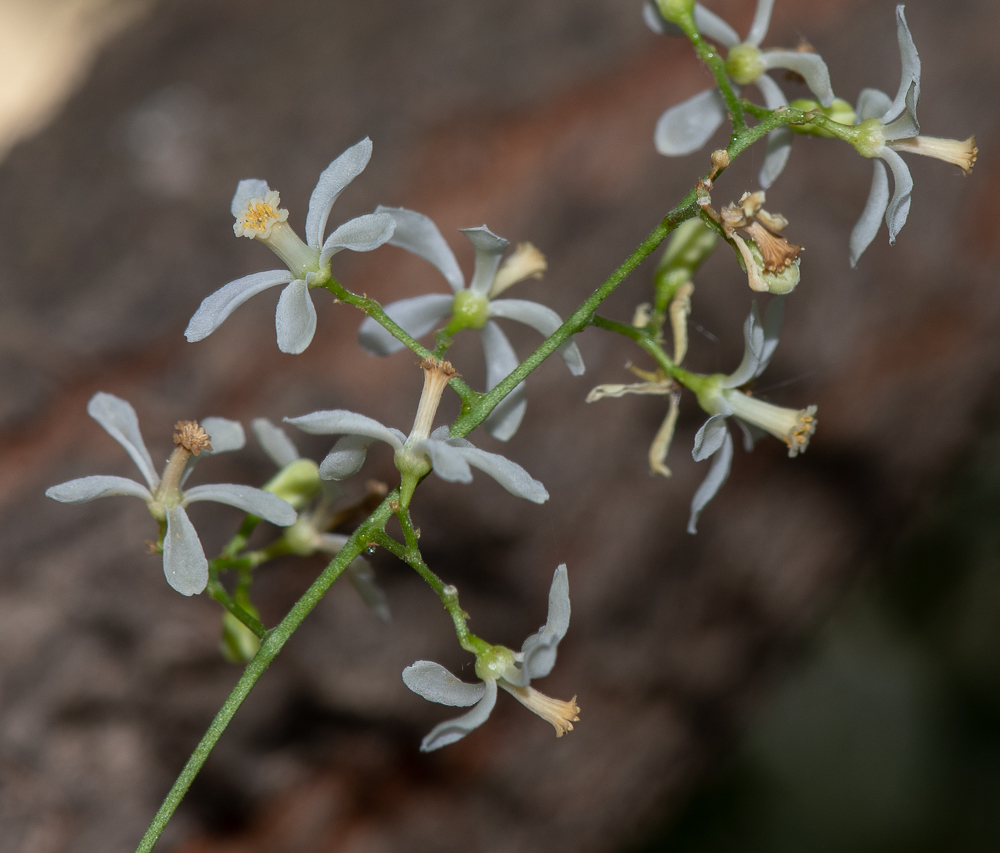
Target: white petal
[(361, 234), (274, 441), (257, 502), (542, 319), (340, 421), (501, 359), (331, 184), (709, 438), (686, 127), (448, 462), (225, 435), (245, 190), (910, 75), (872, 103), (489, 249), (98, 486), (120, 422), (416, 316), (508, 474), (906, 124), (871, 218), (808, 65), (717, 475), (656, 22), (295, 319), (712, 26), (434, 683), (539, 650), (753, 348), (779, 140), (418, 234), (217, 307), (184, 562), (772, 328), (902, 188), (362, 577), (761, 21), (346, 457), (453, 730)]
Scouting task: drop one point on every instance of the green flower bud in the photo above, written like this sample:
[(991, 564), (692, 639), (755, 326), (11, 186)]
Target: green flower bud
[(745, 63), (469, 310), (839, 111), (238, 643), (690, 244), (676, 11), (296, 483)]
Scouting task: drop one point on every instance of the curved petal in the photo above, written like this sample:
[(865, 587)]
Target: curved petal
[(361, 234), (872, 103), (753, 348), (871, 218), (331, 184), (433, 682), (343, 422), (416, 316), (245, 190), (448, 462), (257, 502), (910, 74), (98, 486), (501, 359), (346, 457), (539, 650), (453, 730), (902, 188), (184, 563), (295, 319), (761, 21), (418, 234), (717, 475), (217, 307), (779, 140), (225, 435), (489, 249), (274, 441), (905, 124), (709, 438), (542, 319), (686, 127), (712, 26), (508, 474), (808, 65), (119, 420)]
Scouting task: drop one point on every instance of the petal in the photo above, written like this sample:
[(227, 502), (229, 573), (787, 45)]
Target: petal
[(808, 65), (361, 234), (656, 22), (906, 124), (910, 75), (542, 319), (362, 577), (448, 462), (501, 359), (712, 26), (416, 316), (872, 103), (871, 218), (434, 683), (539, 649), (295, 319), (257, 502), (184, 562), (710, 437), (761, 21), (120, 422), (98, 486), (225, 435), (489, 249), (779, 140), (274, 441), (902, 187), (753, 348), (340, 421), (217, 307), (453, 730), (418, 234), (245, 190), (686, 127), (717, 475), (508, 474), (346, 457), (772, 328), (331, 184)]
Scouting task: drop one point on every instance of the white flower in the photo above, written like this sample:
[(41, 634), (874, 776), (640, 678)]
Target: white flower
[(890, 125), (686, 127), (472, 307), (184, 562), (258, 216), (721, 399), (513, 671)]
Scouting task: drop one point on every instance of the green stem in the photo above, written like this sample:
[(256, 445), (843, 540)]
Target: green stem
[(692, 381)]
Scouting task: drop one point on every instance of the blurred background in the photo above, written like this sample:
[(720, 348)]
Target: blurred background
[(819, 668)]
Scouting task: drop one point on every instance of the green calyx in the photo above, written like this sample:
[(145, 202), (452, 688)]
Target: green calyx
[(413, 466), (708, 390), (296, 483), (494, 662), (745, 63), (468, 311), (869, 138), (839, 111), (778, 283), (677, 11)]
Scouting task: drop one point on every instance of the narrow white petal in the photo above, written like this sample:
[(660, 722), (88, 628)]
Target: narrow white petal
[(342, 422), (295, 319), (120, 422), (418, 234), (217, 307), (346, 457), (872, 103), (905, 125), (902, 188), (331, 184), (500, 361), (416, 316), (274, 441), (257, 502), (761, 21), (449, 463), (361, 234), (489, 249), (712, 26), (539, 650), (453, 730), (542, 319), (508, 474), (98, 486), (779, 147), (686, 127), (184, 562), (710, 437), (225, 435), (772, 327), (753, 349), (434, 683), (717, 475), (871, 217), (910, 74), (245, 190), (808, 65), (656, 22)]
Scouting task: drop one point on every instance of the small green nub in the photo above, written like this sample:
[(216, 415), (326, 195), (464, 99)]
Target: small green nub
[(745, 63), (238, 643), (469, 310), (676, 11), (839, 111), (296, 483)]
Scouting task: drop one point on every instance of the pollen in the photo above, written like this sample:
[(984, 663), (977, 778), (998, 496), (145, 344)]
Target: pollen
[(259, 216), (798, 439), (560, 714), (777, 252), (191, 437)]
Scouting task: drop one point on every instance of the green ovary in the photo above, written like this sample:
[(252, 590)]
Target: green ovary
[(744, 63), (469, 310)]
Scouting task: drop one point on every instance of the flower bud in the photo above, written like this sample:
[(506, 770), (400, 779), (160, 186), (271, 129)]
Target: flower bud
[(296, 483)]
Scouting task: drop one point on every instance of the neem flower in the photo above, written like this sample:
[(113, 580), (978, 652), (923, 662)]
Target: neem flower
[(685, 128), (184, 562), (420, 451), (259, 217), (472, 307), (886, 126), (500, 666), (721, 400)]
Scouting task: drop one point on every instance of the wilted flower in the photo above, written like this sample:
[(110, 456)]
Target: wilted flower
[(500, 666), (686, 127), (472, 307), (259, 217), (886, 126), (771, 261), (184, 562)]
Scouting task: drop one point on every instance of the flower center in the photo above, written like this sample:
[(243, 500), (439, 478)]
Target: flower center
[(560, 714), (869, 138), (259, 216)]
